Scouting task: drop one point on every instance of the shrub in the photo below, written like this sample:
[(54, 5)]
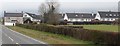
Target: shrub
[(96, 36)]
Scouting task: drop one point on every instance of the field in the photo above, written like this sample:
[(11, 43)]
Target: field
[(111, 28), (49, 37)]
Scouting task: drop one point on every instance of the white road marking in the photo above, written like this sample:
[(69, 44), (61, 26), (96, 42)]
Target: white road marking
[(11, 38), (26, 36)]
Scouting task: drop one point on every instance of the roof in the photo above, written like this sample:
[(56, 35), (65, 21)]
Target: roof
[(34, 16), (108, 14), (80, 15), (13, 15), (61, 16)]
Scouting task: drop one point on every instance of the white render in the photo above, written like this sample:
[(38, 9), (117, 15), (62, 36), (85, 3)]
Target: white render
[(77, 19), (8, 20), (65, 17), (105, 19), (26, 15), (9, 23), (108, 19), (98, 16)]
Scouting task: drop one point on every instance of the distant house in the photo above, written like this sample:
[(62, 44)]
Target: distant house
[(11, 18), (32, 17), (61, 17), (79, 17), (107, 15)]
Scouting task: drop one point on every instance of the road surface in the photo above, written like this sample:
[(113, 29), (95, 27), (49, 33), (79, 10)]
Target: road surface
[(10, 37)]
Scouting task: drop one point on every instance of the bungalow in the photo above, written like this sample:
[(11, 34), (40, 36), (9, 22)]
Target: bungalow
[(11, 18), (107, 15), (79, 17)]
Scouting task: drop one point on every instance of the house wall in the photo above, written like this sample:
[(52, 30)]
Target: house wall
[(32, 19), (97, 16), (27, 16), (80, 19), (65, 17), (9, 23), (108, 19), (9, 19), (36, 20), (77, 19)]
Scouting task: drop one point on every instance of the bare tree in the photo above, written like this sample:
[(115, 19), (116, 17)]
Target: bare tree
[(50, 12)]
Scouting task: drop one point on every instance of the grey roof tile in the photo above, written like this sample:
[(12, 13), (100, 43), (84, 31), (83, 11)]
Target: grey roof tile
[(80, 15), (13, 15), (35, 16), (108, 14)]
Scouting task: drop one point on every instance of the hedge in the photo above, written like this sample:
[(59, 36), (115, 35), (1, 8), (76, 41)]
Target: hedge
[(96, 36), (93, 23)]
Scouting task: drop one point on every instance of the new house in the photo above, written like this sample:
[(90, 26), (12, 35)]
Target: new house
[(79, 17), (107, 15), (11, 18)]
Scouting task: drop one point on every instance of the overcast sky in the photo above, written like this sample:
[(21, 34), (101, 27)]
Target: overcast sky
[(62, 0), (65, 5)]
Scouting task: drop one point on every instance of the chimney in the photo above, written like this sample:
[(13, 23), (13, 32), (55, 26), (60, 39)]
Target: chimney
[(109, 11), (4, 11), (92, 14), (22, 12)]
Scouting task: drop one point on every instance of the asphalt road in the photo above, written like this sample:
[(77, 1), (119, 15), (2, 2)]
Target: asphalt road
[(10, 37)]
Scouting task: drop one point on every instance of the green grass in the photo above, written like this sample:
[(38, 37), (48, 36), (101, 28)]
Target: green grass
[(49, 37), (109, 28)]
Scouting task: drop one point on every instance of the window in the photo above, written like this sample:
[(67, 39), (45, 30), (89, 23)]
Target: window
[(25, 15), (106, 14), (8, 17), (82, 15), (111, 19), (14, 21), (114, 14), (102, 19), (70, 19), (85, 19), (110, 14), (108, 19), (82, 19), (117, 15), (79, 19), (73, 20), (76, 15)]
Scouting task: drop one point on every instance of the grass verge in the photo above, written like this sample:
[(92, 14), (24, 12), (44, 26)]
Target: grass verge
[(50, 38)]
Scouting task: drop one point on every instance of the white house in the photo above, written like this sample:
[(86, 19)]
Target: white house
[(32, 17), (107, 15), (10, 19), (79, 17)]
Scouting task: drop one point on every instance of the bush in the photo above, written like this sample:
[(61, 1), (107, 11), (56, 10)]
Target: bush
[(93, 23), (96, 36)]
